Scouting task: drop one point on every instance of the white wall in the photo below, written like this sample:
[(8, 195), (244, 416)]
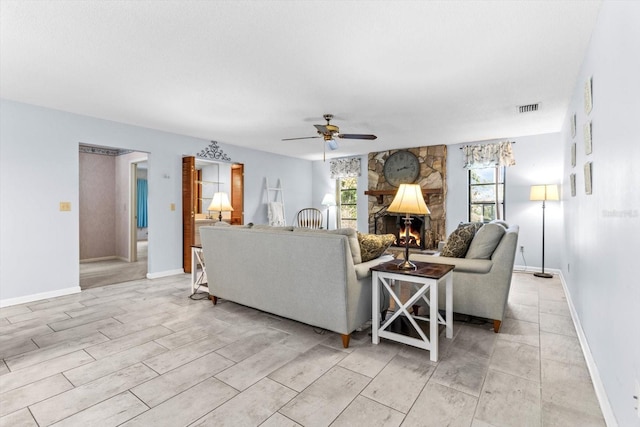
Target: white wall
[(39, 158), (538, 161), (602, 230)]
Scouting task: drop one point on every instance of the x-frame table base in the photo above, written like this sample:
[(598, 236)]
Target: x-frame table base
[(426, 289)]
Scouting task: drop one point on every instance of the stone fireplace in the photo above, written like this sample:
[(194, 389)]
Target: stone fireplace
[(426, 231)]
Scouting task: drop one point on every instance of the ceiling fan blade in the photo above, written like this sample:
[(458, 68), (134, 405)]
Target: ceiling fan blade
[(322, 129), (333, 144), (356, 136), (304, 137)]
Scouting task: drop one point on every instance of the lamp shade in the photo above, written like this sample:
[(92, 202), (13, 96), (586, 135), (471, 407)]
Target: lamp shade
[(220, 203), (544, 192), (329, 200), (409, 200)]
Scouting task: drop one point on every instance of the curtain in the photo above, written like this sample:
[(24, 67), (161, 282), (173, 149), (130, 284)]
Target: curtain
[(488, 155), (142, 203), (344, 168)]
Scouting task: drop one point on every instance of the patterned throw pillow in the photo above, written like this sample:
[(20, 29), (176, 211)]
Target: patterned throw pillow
[(374, 245), (458, 241)]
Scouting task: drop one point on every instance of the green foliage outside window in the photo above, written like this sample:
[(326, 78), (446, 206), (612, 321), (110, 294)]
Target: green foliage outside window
[(348, 202), (482, 193)]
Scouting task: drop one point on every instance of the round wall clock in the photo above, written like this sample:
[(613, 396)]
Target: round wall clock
[(402, 167)]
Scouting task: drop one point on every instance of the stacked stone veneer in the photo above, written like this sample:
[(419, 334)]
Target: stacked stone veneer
[(433, 175)]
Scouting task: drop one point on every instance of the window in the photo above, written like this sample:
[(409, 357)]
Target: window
[(347, 209), (486, 186)]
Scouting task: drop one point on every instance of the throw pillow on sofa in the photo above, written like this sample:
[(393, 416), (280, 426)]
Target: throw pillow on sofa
[(373, 245), (485, 241), (458, 242)]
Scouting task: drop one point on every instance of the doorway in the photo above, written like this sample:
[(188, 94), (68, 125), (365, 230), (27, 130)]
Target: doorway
[(110, 250), (201, 179)]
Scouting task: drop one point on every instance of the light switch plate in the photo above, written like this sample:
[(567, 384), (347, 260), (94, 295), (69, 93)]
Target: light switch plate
[(65, 206), (173, 206)]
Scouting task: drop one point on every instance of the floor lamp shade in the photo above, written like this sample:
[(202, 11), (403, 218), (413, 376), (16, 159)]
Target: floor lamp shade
[(543, 193), (220, 203), (409, 201)]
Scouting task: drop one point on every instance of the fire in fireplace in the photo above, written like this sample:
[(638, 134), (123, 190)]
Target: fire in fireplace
[(394, 224)]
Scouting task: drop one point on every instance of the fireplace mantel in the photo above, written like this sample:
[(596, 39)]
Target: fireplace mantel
[(378, 194)]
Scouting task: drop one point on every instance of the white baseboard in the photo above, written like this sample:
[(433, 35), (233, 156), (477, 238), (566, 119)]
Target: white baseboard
[(104, 258), (601, 394), (37, 297), (165, 273)]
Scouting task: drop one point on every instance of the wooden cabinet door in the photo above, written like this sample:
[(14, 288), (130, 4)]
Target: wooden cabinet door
[(188, 213), (237, 194)]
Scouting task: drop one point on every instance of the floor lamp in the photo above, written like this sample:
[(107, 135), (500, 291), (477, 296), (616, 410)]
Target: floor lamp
[(408, 200), (543, 193), (328, 200)]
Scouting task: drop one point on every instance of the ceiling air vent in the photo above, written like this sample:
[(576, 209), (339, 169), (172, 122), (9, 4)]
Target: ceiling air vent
[(528, 108)]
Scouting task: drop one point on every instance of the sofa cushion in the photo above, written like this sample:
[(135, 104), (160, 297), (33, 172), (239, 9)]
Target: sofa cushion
[(500, 222), (374, 245), (351, 234), (458, 242), (485, 241)]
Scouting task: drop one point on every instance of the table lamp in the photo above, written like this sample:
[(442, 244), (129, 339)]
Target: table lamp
[(543, 193), (220, 203), (408, 200)]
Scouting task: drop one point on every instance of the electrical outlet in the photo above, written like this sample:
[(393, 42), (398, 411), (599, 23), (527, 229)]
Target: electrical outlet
[(65, 206), (521, 248)]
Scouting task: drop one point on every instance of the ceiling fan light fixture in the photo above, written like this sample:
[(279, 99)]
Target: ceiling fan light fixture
[(333, 144)]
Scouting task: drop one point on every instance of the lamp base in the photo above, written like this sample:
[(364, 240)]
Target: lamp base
[(406, 265), (543, 275)]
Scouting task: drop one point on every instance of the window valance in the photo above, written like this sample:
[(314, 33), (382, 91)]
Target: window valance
[(345, 167), (488, 155)]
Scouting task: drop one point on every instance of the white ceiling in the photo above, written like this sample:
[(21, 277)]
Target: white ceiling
[(250, 73)]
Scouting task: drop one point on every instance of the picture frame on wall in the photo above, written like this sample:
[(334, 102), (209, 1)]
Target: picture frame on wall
[(588, 143), (588, 177), (588, 95), (573, 125), (572, 180), (573, 155)]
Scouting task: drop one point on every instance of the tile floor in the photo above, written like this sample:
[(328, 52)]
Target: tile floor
[(143, 354)]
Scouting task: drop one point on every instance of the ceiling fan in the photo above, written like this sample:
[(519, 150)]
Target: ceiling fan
[(329, 132)]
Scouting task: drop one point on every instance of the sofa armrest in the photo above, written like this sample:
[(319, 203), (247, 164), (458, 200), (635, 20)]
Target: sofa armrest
[(463, 265), (362, 269)]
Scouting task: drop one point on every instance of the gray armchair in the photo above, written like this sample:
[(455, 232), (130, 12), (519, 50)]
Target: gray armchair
[(481, 286)]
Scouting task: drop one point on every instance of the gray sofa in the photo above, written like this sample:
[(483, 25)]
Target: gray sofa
[(307, 276), (481, 285)]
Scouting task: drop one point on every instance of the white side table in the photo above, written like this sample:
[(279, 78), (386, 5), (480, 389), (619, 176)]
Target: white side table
[(198, 269), (424, 280)]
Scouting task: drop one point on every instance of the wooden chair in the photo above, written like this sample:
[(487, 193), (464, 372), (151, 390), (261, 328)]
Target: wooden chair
[(308, 218)]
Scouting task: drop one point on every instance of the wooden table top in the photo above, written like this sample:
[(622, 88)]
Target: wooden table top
[(423, 269)]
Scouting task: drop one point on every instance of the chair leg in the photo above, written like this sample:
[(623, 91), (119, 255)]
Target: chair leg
[(496, 326), (345, 340), (214, 299)]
